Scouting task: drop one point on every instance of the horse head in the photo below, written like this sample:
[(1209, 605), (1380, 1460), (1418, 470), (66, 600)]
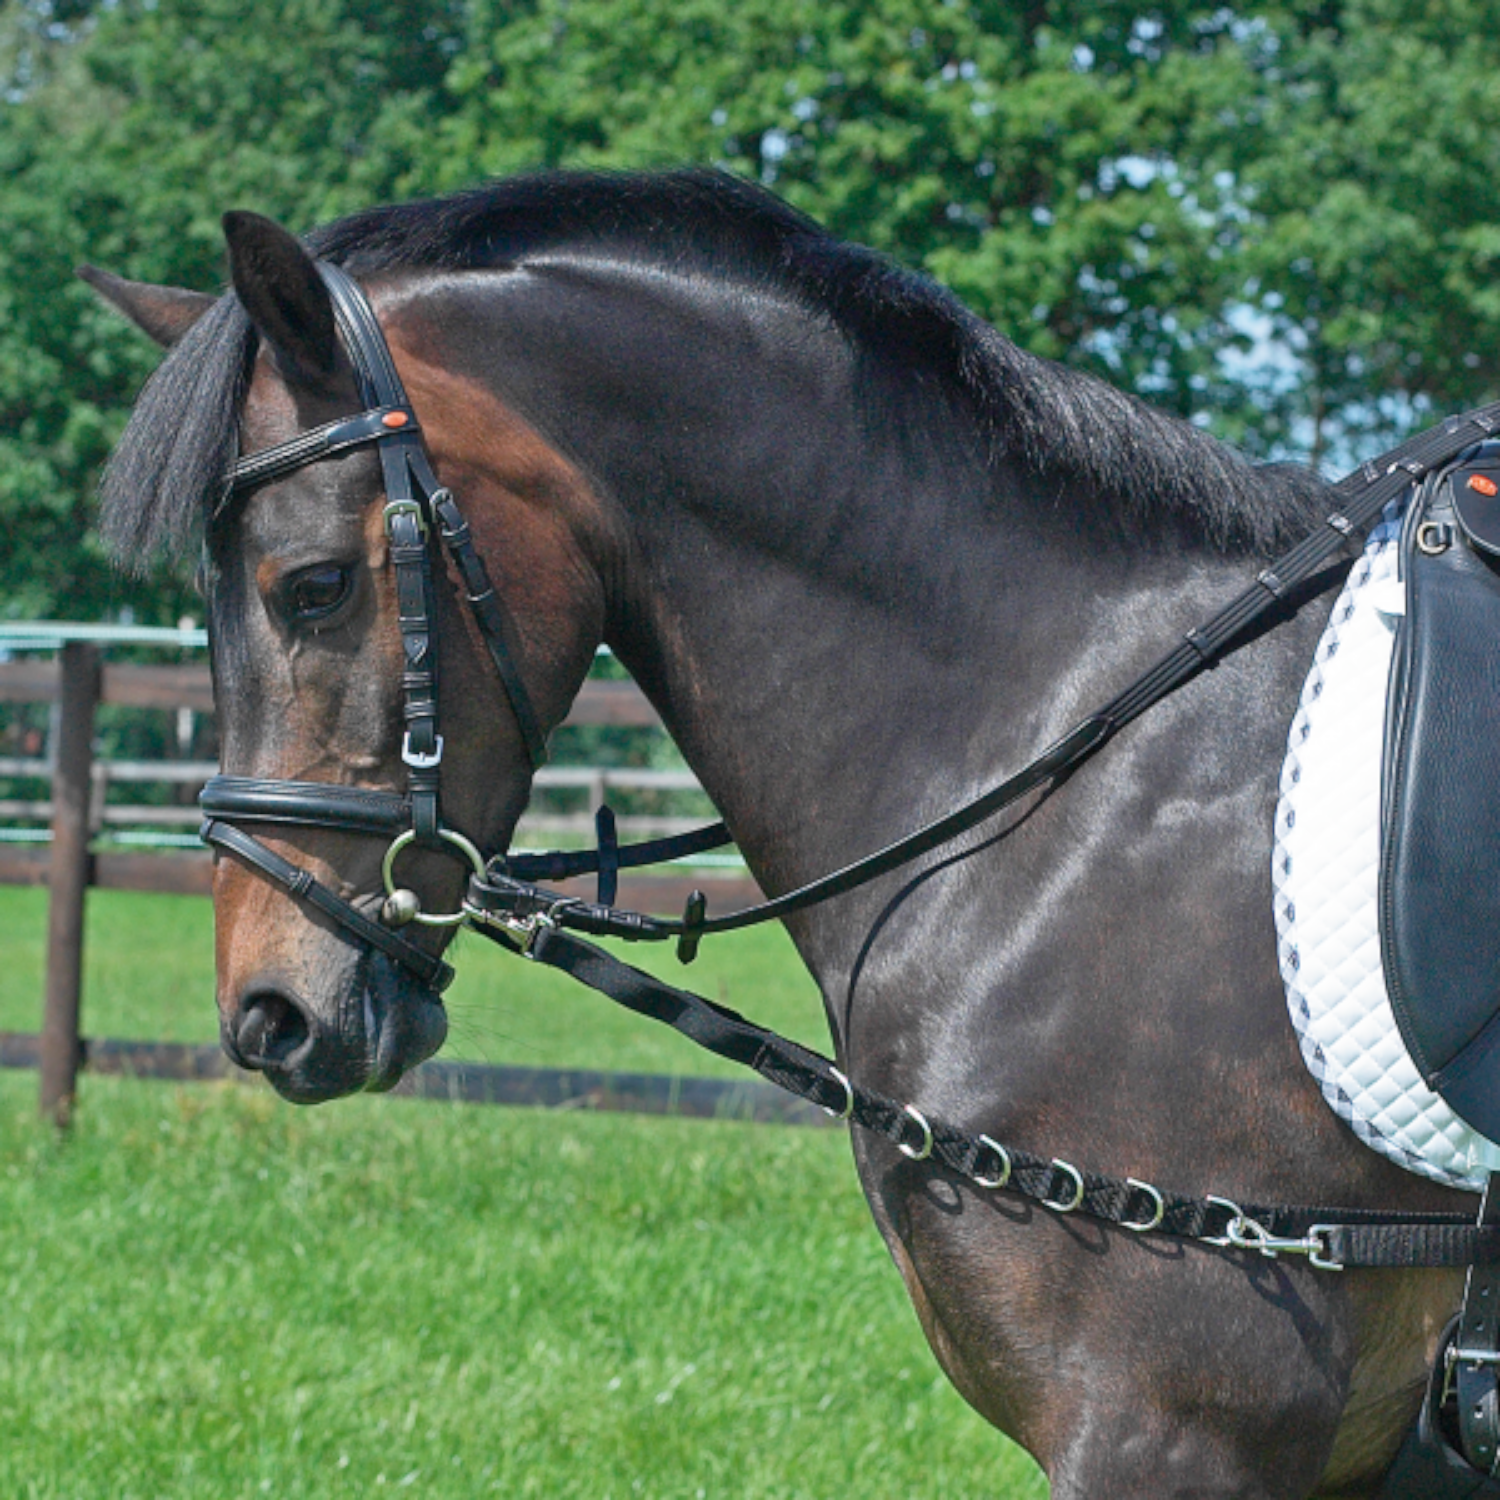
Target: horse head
[(314, 651)]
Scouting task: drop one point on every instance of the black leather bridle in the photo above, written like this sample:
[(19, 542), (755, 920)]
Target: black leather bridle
[(416, 505), (502, 899)]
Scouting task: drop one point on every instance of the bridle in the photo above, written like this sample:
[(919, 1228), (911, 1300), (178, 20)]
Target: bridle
[(504, 902), (416, 505)]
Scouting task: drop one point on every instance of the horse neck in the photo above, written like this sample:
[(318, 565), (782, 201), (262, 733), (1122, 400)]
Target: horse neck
[(849, 622)]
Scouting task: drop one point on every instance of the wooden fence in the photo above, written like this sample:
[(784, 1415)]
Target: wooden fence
[(77, 680)]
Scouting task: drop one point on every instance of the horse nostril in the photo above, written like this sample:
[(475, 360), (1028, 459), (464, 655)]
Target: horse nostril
[(270, 1030)]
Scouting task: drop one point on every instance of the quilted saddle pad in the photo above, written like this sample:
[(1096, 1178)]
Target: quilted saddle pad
[(1325, 878)]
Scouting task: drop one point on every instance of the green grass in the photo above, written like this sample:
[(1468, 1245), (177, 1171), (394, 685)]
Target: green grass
[(148, 973), (209, 1293)]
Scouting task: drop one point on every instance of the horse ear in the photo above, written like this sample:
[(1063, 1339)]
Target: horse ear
[(278, 284), (163, 312)]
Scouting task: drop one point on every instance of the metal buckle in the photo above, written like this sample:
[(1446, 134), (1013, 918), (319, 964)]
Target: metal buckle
[(1453, 1356), (410, 508), (418, 761)]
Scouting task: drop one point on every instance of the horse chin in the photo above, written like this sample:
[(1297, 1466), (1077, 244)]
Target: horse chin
[(400, 1035), (313, 1053)]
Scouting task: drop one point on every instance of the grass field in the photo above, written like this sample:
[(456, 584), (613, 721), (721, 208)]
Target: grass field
[(210, 1293), (149, 974)]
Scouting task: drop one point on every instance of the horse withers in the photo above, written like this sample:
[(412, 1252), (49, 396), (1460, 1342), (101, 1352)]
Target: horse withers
[(864, 555)]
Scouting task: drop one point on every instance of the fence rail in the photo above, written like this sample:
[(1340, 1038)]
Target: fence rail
[(80, 848), (597, 781)]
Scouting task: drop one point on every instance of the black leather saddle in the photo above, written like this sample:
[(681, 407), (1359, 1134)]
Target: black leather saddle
[(1440, 823)]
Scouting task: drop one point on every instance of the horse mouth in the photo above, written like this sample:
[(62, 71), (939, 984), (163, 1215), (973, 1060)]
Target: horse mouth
[(311, 1054)]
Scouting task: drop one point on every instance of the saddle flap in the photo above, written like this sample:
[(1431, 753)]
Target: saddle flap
[(1440, 834)]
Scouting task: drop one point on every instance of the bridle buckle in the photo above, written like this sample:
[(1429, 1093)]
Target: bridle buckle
[(418, 760), (412, 508)]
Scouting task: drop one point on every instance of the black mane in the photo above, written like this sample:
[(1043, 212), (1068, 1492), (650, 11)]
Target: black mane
[(169, 467)]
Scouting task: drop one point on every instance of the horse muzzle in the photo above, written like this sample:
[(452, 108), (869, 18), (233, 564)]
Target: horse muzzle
[(315, 1048)]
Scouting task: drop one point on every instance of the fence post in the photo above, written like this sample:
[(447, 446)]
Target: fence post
[(72, 784)]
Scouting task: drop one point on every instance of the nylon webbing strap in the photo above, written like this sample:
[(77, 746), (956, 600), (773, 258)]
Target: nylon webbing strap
[(1332, 1238)]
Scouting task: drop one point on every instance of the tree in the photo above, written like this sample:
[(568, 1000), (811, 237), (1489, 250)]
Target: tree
[(1282, 220), (1030, 156), (147, 122), (1365, 152)]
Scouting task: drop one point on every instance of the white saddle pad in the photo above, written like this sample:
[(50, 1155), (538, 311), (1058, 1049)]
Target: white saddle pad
[(1325, 878)]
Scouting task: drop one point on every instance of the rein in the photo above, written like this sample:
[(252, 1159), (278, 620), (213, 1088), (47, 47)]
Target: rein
[(505, 903)]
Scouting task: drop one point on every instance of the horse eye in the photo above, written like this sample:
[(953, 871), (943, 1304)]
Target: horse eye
[(318, 592)]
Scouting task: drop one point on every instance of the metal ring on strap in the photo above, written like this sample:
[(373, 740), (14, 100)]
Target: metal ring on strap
[(848, 1106), (922, 1152), (1066, 1205), (1003, 1155), (1158, 1207), (1236, 1219), (388, 866)]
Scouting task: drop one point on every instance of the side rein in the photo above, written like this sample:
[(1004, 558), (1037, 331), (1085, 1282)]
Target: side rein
[(504, 903)]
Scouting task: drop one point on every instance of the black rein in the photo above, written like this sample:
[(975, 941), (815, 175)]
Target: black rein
[(506, 904)]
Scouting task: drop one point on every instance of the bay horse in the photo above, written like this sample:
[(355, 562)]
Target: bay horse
[(864, 555)]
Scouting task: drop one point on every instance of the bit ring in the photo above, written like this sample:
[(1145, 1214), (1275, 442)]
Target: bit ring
[(459, 842)]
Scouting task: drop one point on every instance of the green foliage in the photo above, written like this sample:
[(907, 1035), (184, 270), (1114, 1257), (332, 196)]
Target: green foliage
[(124, 151), (1020, 154), (1281, 219), (1366, 152)]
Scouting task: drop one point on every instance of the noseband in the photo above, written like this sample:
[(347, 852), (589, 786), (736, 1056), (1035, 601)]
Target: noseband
[(416, 506)]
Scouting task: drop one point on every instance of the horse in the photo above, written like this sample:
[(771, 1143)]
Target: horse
[(863, 554)]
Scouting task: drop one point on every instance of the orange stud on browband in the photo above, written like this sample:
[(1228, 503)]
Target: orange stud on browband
[(395, 419)]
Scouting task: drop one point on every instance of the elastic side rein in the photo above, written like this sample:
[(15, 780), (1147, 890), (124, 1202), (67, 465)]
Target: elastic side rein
[(505, 902)]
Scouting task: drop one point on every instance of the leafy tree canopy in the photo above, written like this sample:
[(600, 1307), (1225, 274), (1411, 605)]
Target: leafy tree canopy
[(1280, 219)]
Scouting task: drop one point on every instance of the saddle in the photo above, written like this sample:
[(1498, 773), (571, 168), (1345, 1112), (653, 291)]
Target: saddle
[(1440, 790)]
